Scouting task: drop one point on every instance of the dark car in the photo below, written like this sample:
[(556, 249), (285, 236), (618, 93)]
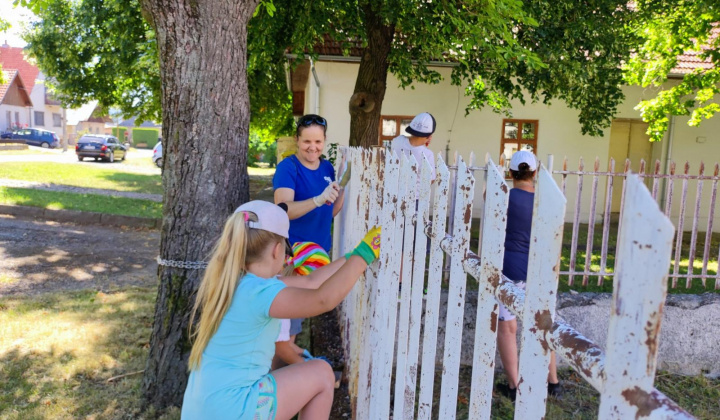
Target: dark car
[(100, 146), (36, 137)]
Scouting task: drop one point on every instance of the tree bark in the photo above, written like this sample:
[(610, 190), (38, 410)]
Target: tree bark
[(206, 114), (369, 93)]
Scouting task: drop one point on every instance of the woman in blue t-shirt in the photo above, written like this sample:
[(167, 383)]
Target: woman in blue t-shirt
[(306, 183), (523, 166), (241, 300)]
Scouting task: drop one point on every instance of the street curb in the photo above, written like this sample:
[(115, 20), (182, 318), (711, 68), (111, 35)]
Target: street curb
[(81, 217)]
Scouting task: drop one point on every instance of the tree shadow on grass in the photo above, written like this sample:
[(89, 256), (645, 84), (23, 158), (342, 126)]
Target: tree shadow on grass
[(60, 349), (38, 257)]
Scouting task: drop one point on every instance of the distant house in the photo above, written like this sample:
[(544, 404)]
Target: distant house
[(88, 119), (146, 136), (326, 85), (26, 101), (15, 103)]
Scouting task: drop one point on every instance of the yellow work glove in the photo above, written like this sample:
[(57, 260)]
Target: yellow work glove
[(369, 248)]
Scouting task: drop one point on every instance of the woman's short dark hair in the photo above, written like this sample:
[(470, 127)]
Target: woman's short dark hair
[(309, 120), (523, 173)]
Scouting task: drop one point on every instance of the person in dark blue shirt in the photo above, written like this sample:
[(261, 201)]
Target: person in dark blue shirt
[(523, 167), (306, 183)]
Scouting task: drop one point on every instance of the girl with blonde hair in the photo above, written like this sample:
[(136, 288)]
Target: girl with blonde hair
[(241, 301)]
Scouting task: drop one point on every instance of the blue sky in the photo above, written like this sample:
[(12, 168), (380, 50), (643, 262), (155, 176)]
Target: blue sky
[(18, 17)]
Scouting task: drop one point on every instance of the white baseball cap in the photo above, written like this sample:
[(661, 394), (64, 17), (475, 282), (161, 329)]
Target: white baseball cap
[(523, 156), (271, 217), (423, 125)]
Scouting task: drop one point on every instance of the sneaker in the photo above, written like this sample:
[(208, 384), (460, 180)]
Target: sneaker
[(555, 390), (506, 391)]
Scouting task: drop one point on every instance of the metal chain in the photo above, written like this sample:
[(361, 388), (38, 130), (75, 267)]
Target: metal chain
[(192, 265)]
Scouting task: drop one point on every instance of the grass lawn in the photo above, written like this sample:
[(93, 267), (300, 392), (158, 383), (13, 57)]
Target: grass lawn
[(56, 200), (60, 349), (82, 176)]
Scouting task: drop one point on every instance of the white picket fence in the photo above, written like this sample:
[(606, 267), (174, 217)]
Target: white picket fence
[(382, 337)]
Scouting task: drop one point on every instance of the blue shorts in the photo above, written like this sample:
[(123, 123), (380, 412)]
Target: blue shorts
[(296, 326)]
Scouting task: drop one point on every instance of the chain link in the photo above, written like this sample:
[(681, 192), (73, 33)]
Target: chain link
[(191, 265)]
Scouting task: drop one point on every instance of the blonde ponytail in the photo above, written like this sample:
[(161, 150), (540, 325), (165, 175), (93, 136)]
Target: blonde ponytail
[(238, 245)]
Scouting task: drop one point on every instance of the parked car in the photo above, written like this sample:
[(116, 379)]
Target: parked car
[(35, 137), (100, 146), (157, 155)]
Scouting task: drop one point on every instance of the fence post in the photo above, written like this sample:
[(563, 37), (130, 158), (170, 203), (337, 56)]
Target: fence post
[(462, 215), (540, 294), (640, 286), (491, 261)]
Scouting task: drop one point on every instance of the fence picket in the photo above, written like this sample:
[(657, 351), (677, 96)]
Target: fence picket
[(385, 311), (408, 173), (456, 292), (693, 232), (418, 285), (576, 223), (645, 245), (432, 303), (541, 290), (491, 261)]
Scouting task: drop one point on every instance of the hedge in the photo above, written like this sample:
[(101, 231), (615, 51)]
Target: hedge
[(148, 136), (119, 132)]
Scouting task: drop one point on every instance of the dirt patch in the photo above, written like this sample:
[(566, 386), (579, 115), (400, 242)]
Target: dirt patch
[(41, 256)]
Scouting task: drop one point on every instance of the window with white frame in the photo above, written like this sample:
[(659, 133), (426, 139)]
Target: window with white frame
[(57, 120), (392, 126)]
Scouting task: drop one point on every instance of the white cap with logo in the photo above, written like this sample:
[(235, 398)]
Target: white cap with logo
[(423, 125), (523, 156)]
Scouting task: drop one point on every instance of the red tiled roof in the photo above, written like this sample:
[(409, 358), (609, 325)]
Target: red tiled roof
[(12, 76), (8, 75), (13, 58), (690, 60)]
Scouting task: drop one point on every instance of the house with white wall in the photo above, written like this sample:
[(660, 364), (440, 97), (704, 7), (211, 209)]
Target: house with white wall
[(326, 85), (15, 102), (88, 119), (43, 110)]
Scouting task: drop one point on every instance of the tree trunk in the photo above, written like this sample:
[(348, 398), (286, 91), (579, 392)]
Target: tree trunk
[(206, 114), (367, 99)]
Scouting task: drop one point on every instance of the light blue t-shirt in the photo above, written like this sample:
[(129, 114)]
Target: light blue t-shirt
[(307, 183), (237, 356)]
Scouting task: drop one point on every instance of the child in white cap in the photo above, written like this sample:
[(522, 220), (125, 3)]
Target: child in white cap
[(241, 302), (420, 132), (523, 167)]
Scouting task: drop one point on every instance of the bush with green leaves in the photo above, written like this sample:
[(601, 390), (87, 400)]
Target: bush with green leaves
[(147, 136)]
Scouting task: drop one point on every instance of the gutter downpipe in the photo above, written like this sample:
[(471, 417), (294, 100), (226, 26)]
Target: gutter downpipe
[(316, 94)]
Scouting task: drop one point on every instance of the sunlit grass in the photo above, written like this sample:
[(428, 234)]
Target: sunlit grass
[(82, 176), (55, 200), (59, 350)]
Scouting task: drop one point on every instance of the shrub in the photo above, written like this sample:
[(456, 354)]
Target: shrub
[(148, 136)]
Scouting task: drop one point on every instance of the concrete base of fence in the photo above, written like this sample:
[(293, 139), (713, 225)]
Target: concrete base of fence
[(689, 336)]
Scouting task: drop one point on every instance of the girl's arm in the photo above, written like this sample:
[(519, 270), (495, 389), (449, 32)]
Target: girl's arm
[(285, 351), (315, 278), (293, 302)]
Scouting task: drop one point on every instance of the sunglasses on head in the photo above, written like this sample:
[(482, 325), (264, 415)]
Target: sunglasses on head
[(310, 120)]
